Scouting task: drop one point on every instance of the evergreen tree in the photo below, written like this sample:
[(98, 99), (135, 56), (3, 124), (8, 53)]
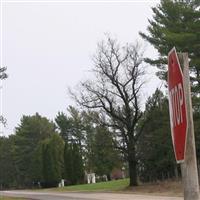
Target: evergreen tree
[(90, 120), (8, 171), (155, 150), (71, 127), (78, 129), (89, 144), (78, 126), (64, 126), (73, 168), (37, 165), (105, 157), (68, 163), (78, 170), (53, 151), (31, 131), (176, 23)]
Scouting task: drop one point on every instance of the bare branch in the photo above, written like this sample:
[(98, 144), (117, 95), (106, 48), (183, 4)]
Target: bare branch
[(116, 89)]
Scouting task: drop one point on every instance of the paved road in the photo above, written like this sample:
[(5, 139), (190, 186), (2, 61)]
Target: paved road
[(83, 196)]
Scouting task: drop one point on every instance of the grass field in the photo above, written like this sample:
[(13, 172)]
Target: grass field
[(117, 185), (173, 188)]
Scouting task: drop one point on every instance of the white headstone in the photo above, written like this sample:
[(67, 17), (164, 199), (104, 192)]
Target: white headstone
[(91, 178), (62, 183)]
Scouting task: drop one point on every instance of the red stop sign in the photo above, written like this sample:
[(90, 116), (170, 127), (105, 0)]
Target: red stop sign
[(177, 106)]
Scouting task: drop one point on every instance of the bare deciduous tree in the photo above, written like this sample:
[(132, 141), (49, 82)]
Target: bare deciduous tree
[(115, 92)]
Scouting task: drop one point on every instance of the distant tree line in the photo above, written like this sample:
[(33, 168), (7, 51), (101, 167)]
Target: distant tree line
[(41, 152)]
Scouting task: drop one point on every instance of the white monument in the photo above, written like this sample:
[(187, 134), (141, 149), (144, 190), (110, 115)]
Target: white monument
[(91, 178)]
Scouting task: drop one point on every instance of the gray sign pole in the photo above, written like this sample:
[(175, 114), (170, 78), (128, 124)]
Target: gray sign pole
[(189, 167)]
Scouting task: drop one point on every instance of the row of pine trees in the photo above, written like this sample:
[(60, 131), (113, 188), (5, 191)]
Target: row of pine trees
[(42, 152)]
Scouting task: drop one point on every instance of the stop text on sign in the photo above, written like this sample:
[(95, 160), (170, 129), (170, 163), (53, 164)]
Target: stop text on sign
[(177, 106), (176, 99)]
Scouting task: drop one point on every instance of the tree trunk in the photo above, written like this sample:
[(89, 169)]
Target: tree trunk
[(108, 177), (176, 172), (132, 167)]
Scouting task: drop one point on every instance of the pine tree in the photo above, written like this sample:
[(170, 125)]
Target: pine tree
[(73, 164), (68, 163), (53, 151), (31, 131), (78, 176), (155, 150), (64, 126), (105, 156), (8, 171), (71, 127), (176, 23)]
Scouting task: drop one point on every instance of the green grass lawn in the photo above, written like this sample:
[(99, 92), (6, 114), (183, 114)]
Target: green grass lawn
[(168, 188), (117, 185)]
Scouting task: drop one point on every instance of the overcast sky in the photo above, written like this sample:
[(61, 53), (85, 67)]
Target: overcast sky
[(48, 47)]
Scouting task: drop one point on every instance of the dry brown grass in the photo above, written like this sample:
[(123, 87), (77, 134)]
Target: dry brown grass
[(166, 188)]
